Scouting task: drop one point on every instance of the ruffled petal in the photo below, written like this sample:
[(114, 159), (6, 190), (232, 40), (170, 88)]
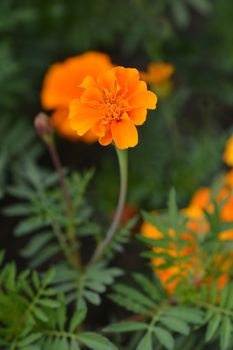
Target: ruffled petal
[(107, 138), (92, 96), (145, 99), (138, 116), (89, 82), (124, 133), (82, 117)]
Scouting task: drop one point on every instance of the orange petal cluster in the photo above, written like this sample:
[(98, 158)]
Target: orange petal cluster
[(62, 84), (157, 73), (111, 106)]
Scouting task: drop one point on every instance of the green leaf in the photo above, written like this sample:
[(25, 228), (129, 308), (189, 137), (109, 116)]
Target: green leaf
[(74, 345), (36, 244), (49, 303), (147, 286), (187, 314), (126, 327), (146, 342), (225, 333), (39, 314), (175, 324), (212, 326), (29, 225), (164, 337), (92, 297), (134, 295), (95, 341), (77, 318), (29, 339), (224, 296), (129, 304)]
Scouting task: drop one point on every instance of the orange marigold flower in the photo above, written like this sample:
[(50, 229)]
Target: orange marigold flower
[(194, 212), (228, 152), (62, 84), (111, 106), (157, 73)]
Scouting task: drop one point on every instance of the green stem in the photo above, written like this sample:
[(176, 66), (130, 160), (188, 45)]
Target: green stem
[(123, 165), (67, 200)]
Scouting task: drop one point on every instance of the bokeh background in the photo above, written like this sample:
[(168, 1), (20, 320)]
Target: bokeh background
[(182, 142)]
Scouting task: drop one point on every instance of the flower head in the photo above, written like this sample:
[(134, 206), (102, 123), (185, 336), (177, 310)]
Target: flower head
[(62, 84), (228, 152), (111, 106), (157, 73)]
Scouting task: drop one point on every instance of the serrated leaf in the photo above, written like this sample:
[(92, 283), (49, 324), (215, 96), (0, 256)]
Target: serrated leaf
[(29, 225), (36, 243), (49, 303), (39, 314), (147, 286), (212, 327), (92, 297), (190, 315), (175, 324), (134, 295), (146, 342), (129, 304), (77, 318), (29, 339), (164, 337), (225, 333), (74, 345), (126, 327), (95, 341), (224, 296)]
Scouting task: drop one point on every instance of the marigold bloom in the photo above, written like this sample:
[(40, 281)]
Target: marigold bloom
[(111, 106), (62, 84), (158, 73), (228, 152), (194, 212)]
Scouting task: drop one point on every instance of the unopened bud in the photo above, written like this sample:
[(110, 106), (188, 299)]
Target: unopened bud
[(44, 128)]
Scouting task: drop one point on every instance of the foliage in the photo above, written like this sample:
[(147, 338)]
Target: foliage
[(32, 317)]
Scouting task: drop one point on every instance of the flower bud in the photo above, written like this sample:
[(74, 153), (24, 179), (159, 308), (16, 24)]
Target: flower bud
[(44, 128)]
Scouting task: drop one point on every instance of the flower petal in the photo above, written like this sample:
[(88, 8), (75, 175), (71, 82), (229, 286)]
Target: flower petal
[(107, 138), (124, 133), (138, 116), (82, 117), (146, 99)]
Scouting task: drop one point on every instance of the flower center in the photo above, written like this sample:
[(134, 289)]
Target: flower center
[(114, 105)]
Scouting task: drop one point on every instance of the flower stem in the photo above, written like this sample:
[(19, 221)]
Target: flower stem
[(123, 165), (67, 200)]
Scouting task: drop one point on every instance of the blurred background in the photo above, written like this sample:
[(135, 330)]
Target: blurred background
[(182, 141)]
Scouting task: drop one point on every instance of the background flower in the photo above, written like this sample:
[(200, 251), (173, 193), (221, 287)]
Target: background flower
[(62, 84)]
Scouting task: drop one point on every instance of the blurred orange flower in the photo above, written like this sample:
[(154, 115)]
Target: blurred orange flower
[(194, 212), (111, 106), (159, 75), (228, 152), (62, 84)]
